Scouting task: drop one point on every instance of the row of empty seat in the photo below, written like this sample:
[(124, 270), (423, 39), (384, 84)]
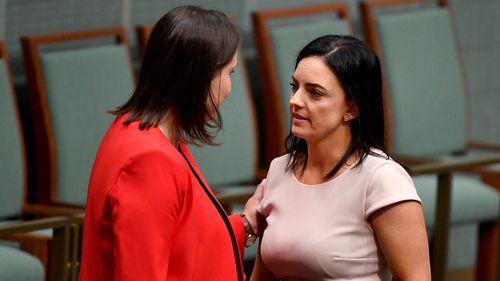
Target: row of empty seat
[(49, 238), (74, 78)]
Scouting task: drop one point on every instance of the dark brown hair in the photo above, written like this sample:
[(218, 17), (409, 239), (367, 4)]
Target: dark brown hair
[(187, 48)]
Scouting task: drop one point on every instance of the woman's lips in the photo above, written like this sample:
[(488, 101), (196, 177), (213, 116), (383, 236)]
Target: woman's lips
[(298, 119)]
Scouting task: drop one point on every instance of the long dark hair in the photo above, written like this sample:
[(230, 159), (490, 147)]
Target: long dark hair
[(357, 68), (187, 48)]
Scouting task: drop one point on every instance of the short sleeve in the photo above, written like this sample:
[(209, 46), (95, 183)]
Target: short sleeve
[(276, 168), (389, 184), (147, 198)]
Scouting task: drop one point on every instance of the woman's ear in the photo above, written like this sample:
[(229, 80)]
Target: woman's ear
[(351, 113)]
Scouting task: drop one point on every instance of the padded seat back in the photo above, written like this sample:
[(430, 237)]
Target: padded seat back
[(71, 90), (424, 82), (12, 150), (18, 265)]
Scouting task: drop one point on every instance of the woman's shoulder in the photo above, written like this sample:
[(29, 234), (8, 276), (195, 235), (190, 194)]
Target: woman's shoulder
[(131, 144), (377, 158), (382, 169), (279, 163), (164, 165), (388, 183)]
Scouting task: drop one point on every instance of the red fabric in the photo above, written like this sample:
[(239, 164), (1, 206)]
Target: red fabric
[(148, 218)]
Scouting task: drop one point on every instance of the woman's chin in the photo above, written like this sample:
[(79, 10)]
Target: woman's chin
[(298, 132)]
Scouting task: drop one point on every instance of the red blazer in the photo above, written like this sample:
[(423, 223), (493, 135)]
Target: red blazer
[(148, 218)]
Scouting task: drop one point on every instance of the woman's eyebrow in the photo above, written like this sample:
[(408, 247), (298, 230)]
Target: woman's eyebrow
[(316, 85)]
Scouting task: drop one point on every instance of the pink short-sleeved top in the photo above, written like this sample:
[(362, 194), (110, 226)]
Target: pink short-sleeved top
[(320, 232)]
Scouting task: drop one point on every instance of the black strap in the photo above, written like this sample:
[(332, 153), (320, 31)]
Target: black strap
[(223, 214)]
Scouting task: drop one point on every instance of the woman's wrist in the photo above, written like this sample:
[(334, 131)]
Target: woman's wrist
[(250, 236)]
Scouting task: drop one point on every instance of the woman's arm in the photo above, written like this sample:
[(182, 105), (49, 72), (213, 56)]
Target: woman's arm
[(401, 235), (146, 200)]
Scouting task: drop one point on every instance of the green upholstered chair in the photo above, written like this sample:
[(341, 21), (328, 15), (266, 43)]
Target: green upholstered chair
[(425, 105), (279, 35), (13, 159), (18, 265), (64, 250), (14, 263), (73, 80)]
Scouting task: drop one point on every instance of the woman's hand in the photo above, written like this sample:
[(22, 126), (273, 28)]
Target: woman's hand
[(250, 211)]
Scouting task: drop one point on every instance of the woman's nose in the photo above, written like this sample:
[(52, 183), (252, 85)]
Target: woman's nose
[(296, 99)]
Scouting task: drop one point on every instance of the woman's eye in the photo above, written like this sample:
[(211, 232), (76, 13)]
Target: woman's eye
[(316, 93), (293, 86)]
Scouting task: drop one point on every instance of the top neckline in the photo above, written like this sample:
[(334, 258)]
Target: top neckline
[(323, 184)]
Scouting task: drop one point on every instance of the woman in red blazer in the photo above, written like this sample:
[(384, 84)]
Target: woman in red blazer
[(150, 214)]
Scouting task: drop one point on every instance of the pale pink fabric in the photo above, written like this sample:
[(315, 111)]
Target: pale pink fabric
[(320, 232)]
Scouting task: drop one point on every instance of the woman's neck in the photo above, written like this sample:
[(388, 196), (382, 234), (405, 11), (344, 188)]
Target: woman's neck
[(167, 127), (323, 155)]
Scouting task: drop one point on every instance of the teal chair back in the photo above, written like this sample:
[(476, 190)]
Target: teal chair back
[(14, 264), (71, 90), (425, 110), (235, 161), (279, 36), (424, 82), (12, 150)]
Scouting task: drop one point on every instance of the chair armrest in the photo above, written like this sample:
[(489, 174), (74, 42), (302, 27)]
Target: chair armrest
[(234, 195), (38, 224), (65, 244), (454, 165), (39, 210), (485, 146)]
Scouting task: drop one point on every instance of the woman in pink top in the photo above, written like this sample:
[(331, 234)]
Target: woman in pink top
[(336, 205)]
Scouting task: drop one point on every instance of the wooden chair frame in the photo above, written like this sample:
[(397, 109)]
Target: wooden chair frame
[(272, 105), (46, 174), (487, 255), (64, 247), (142, 32)]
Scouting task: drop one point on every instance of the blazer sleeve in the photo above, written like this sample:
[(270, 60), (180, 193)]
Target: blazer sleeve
[(239, 231), (147, 197)]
